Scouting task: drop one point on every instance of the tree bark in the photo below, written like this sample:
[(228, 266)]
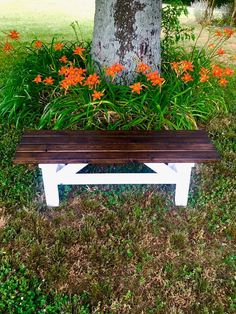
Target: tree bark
[(233, 17), (127, 32)]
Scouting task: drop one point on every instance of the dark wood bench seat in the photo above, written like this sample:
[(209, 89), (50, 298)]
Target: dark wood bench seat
[(62, 154), (106, 147)]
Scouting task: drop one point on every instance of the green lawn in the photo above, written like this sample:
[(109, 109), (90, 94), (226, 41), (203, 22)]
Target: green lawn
[(119, 249)]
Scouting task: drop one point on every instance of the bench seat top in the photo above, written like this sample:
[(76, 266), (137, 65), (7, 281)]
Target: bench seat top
[(109, 147)]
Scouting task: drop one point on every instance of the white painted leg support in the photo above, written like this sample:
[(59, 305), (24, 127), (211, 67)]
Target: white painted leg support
[(55, 174), (182, 183)]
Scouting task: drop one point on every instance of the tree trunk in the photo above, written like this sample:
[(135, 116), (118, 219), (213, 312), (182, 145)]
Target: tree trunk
[(209, 10), (127, 32), (233, 17)]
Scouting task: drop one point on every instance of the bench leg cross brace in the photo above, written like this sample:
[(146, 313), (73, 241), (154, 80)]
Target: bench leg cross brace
[(172, 173)]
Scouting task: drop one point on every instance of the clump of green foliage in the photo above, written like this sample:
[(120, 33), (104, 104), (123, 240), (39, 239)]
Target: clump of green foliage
[(54, 89), (22, 293)]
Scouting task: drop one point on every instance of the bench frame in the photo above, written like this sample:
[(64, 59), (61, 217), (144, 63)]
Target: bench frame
[(171, 173)]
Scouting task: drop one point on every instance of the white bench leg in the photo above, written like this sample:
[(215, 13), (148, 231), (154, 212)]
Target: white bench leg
[(183, 171), (50, 183)]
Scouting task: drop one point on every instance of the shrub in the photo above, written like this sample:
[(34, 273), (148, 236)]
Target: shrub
[(172, 31), (60, 87)]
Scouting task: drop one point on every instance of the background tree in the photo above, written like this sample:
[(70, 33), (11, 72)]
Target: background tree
[(127, 32), (233, 17)]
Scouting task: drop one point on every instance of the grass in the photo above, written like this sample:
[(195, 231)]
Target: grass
[(124, 249)]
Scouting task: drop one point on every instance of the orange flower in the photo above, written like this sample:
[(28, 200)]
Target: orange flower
[(110, 72), (7, 47), (187, 65), (228, 72), (63, 71), (204, 71), (158, 81), (175, 66), (143, 68), (217, 71), (65, 84), (114, 69), (48, 80), (220, 51), (228, 32), (204, 78), (38, 79), (223, 82), (118, 67), (187, 77), (63, 59), (14, 35), (92, 80), (79, 51), (136, 88), (155, 78), (73, 76), (58, 46), (211, 45), (97, 95), (218, 33), (152, 75), (38, 44)]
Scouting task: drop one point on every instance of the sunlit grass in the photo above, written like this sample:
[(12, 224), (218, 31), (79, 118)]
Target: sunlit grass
[(44, 19)]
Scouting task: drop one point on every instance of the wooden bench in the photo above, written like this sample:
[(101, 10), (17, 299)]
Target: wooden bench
[(62, 154)]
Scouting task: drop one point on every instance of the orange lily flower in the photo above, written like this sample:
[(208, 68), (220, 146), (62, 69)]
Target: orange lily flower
[(187, 77), (223, 82), (175, 66), (79, 51), (212, 46), (92, 80), (220, 51), (38, 79), (38, 44), (63, 71), (228, 32), (114, 69), (97, 95), (14, 35), (58, 46), (218, 33), (136, 87), (187, 65), (155, 78), (228, 72), (48, 80), (217, 71), (204, 78), (143, 68), (204, 71), (7, 47), (63, 59)]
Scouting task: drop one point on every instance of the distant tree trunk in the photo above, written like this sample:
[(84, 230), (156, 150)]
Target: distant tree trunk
[(127, 32), (209, 10), (233, 17)]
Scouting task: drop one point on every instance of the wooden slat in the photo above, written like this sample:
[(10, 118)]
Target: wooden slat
[(112, 140), (114, 147), (116, 157), (142, 133)]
